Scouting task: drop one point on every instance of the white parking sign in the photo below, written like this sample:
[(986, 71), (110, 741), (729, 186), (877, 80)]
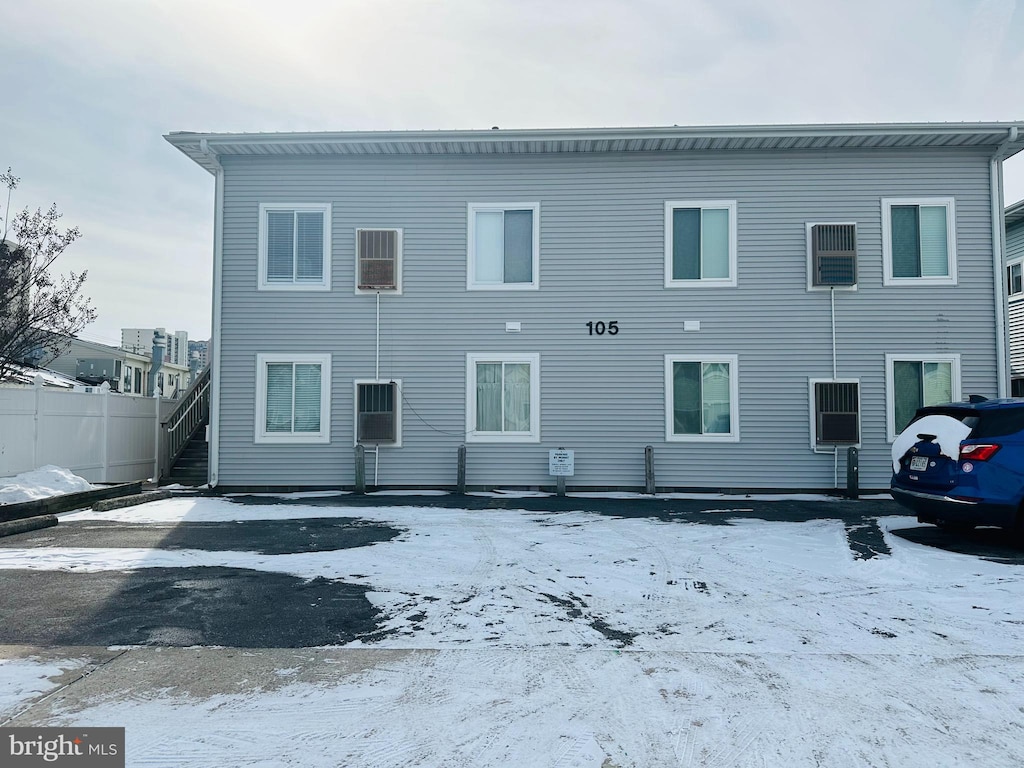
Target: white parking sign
[(561, 463)]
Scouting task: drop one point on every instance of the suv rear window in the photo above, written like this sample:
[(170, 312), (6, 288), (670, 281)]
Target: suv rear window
[(983, 424), (1005, 421)]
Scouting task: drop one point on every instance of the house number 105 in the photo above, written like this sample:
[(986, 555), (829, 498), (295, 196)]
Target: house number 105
[(600, 328)]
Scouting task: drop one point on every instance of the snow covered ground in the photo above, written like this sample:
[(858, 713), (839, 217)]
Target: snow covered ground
[(575, 639), (40, 484)]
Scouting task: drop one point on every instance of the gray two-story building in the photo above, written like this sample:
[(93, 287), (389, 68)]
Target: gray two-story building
[(748, 301), (1014, 223)]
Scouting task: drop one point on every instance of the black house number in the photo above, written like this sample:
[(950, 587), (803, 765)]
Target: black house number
[(600, 328)]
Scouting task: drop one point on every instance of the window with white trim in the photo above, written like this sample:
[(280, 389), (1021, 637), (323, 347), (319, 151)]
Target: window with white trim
[(919, 241), (504, 246), (1014, 286), (700, 243), (378, 260), (503, 398), (378, 417), (701, 398), (836, 412), (912, 382), (293, 398), (295, 247)]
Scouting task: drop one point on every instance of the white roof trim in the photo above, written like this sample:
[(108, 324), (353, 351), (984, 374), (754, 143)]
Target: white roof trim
[(204, 148)]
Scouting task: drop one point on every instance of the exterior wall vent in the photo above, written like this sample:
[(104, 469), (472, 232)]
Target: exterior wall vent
[(834, 254), (378, 259)]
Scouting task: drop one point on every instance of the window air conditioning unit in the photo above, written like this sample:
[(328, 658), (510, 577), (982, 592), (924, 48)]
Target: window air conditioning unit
[(837, 408), (376, 415), (378, 258), (834, 254)]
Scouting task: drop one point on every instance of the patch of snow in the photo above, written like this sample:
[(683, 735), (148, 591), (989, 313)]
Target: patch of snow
[(499, 493), (949, 432), (410, 493), (755, 643), (626, 495), (40, 484), (25, 679), (292, 495)]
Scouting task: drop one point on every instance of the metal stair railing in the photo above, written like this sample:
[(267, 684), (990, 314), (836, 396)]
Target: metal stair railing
[(181, 425)]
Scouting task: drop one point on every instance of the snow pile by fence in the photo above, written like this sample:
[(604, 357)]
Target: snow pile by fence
[(40, 484)]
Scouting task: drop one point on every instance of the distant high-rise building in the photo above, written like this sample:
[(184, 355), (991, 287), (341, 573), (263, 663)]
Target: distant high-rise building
[(202, 348), (140, 341)]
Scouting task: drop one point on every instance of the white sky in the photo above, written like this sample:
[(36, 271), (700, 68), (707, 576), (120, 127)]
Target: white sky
[(91, 87)]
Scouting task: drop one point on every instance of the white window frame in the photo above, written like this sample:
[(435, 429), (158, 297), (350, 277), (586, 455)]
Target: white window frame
[(813, 410), (475, 436), (717, 282), (1014, 297), (263, 283), (398, 411), (734, 399), (261, 434), (810, 261), (399, 246), (887, 273), (471, 282), (890, 383)]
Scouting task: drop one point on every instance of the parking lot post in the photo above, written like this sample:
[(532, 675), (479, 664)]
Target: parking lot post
[(852, 472), (460, 483), (360, 469)]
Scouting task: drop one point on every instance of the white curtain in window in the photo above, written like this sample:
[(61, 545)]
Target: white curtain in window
[(517, 397), (714, 243), (934, 249), (715, 395), (307, 397), (489, 247), (938, 383), (279, 397), (488, 397)]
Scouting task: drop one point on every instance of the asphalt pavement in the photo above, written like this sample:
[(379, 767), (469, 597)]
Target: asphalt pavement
[(243, 608)]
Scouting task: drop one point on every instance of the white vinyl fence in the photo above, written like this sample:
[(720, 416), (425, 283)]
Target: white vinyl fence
[(101, 436)]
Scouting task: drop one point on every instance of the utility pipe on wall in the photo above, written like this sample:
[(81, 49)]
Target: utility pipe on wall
[(376, 377), (999, 264)]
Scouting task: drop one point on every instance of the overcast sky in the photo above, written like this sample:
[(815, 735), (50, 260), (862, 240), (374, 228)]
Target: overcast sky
[(91, 87)]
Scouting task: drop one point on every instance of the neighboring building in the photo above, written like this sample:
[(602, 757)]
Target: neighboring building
[(202, 350), (1014, 222), (126, 372), (27, 376), (749, 301), (140, 341), (15, 276)]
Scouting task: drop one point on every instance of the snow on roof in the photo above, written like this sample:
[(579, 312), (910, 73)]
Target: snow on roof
[(27, 375)]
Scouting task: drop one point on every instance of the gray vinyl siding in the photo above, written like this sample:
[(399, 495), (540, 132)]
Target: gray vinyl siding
[(602, 258), (1015, 250)]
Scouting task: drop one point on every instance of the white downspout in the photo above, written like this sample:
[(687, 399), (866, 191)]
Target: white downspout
[(999, 266), (835, 372), (376, 377), (215, 360), (835, 375), (835, 359)]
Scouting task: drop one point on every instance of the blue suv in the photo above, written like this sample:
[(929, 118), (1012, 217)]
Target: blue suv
[(983, 484)]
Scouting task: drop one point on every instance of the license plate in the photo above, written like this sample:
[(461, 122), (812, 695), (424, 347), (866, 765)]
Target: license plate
[(918, 463)]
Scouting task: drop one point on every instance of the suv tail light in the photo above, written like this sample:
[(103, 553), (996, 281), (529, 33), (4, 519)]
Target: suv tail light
[(978, 452)]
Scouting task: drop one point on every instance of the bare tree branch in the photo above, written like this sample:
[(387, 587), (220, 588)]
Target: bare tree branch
[(37, 312)]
